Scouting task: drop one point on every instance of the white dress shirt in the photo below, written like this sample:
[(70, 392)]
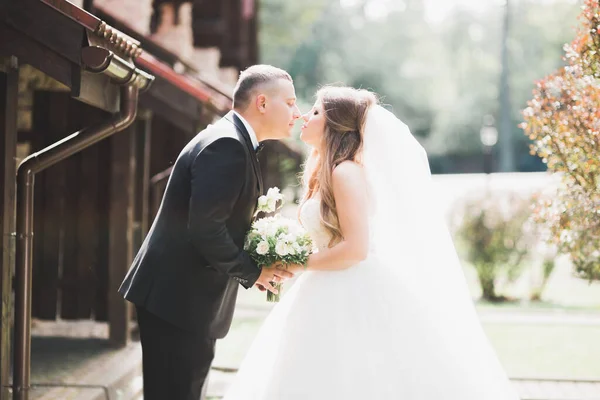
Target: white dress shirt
[(249, 129)]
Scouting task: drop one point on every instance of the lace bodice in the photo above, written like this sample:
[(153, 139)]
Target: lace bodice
[(310, 217)]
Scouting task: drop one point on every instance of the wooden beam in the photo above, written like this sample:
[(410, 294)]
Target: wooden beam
[(184, 105), (29, 51), (120, 252), (45, 25), (183, 121), (9, 82)]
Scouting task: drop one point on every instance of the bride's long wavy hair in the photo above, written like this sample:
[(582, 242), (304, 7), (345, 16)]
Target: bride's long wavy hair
[(345, 114)]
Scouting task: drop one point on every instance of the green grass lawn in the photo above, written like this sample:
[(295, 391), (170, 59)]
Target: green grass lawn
[(554, 351), (231, 350), (563, 291), (525, 350)]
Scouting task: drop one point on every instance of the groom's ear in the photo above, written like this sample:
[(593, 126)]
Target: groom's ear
[(261, 103)]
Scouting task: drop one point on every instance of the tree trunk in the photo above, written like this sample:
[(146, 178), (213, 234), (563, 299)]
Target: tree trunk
[(487, 280)]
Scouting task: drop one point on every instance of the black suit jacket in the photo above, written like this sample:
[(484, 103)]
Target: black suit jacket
[(189, 266)]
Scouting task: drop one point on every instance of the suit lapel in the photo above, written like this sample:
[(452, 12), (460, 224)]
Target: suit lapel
[(239, 126)]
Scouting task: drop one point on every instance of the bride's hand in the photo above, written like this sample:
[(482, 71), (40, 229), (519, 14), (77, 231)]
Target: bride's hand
[(272, 274), (294, 268), (260, 287)]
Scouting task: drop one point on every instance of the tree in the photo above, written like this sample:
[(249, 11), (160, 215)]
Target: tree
[(562, 119), (491, 233), (440, 77)]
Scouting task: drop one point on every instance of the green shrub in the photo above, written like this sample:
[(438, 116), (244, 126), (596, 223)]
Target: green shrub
[(492, 235)]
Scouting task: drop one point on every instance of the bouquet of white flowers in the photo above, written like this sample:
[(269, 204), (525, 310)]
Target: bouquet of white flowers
[(277, 239)]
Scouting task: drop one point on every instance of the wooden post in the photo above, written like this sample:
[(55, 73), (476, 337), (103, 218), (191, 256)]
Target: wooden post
[(120, 250), (50, 118), (80, 261), (142, 179), (9, 80), (104, 174)]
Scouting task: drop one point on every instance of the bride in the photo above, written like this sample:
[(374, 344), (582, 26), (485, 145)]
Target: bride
[(382, 311)]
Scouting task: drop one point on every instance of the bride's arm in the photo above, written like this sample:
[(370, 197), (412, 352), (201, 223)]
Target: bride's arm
[(351, 202)]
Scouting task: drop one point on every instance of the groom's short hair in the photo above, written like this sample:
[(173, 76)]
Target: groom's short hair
[(252, 78)]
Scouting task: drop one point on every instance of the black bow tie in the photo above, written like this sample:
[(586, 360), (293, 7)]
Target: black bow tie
[(259, 147)]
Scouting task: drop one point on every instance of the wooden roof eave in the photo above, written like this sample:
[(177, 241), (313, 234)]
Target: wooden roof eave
[(47, 39), (30, 28), (179, 85)]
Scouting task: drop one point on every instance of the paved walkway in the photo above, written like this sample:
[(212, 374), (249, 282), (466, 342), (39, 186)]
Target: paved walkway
[(125, 365), (72, 360), (528, 389), (543, 318)]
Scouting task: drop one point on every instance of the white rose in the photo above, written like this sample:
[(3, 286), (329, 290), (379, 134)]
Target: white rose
[(262, 201), (290, 238), (262, 204), (271, 230), (273, 192), (262, 248), (258, 225), (294, 229), (290, 249), (281, 248), (298, 248), (271, 204)]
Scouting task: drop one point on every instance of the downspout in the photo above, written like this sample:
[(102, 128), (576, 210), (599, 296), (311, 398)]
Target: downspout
[(95, 59)]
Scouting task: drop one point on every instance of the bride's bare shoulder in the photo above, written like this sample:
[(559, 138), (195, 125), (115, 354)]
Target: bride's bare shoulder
[(348, 171)]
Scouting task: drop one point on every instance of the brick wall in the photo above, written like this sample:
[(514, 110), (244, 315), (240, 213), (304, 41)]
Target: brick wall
[(175, 34), (175, 37), (178, 38), (136, 13)]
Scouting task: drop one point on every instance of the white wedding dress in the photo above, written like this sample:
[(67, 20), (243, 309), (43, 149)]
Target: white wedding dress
[(361, 334), (398, 326)]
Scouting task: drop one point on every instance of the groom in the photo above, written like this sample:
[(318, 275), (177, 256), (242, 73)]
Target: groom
[(185, 277)]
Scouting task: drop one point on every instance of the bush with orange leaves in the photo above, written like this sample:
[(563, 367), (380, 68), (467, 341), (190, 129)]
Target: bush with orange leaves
[(563, 121)]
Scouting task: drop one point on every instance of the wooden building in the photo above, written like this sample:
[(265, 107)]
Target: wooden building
[(92, 209)]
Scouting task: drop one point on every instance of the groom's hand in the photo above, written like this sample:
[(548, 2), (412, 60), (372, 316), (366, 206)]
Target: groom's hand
[(268, 276)]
